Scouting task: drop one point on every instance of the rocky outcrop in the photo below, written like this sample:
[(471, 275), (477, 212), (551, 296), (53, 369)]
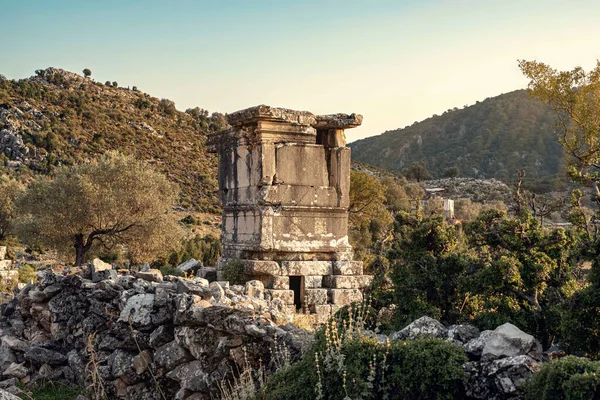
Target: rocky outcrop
[(141, 333)]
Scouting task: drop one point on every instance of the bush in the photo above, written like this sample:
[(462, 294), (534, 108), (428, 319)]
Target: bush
[(415, 369), (580, 324), (570, 378), (171, 270), (26, 274), (233, 271)]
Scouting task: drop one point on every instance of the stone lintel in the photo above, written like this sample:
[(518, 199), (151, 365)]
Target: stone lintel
[(338, 121), (262, 267), (264, 112), (306, 268)]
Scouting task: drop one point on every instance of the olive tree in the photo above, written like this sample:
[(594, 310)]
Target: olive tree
[(114, 200), (10, 190)]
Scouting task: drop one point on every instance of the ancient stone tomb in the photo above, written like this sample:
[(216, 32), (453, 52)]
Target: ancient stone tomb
[(284, 180)]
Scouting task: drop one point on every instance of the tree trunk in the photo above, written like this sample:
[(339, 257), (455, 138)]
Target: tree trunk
[(80, 250)]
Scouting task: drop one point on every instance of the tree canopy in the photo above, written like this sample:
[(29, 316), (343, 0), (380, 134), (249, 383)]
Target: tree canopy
[(10, 190), (114, 200)]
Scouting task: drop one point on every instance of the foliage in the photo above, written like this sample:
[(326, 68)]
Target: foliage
[(352, 366), (10, 190), (87, 72), (71, 120), (167, 107), (114, 200), (569, 378), (418, 172), (49, 390), (26, 274), (451, 172), (580, 324), (205, 249), (233, 271), (168, 269), (489, 139)]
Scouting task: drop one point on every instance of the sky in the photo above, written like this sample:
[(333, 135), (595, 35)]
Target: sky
[(394, 62)]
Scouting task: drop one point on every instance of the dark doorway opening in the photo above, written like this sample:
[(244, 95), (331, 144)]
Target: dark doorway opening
[(297, 285)]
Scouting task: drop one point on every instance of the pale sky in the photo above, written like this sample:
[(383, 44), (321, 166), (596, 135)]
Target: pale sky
[(395, 62)]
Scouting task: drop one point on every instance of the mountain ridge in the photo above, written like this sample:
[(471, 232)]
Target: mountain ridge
[(490, 139)]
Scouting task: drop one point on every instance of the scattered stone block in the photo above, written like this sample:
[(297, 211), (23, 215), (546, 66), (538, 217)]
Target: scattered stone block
[(323, 309), (255, 288), (5, 265), (345, 296), (189, 265), (2, 252), (151, 275)]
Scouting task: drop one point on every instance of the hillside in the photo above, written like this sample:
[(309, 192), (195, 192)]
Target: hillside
[(490, 139), (58, 117)]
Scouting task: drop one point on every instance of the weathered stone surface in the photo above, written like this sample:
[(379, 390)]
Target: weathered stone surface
[(103, 275), (463, 333), (4, 395), (190, 376), (5, 265), (16, 370), (347, 282), (161, 336), (306, 268), (474, 347), (171, 355), (315, 296), (422, 327), (313, 282), (347, 268), (2, 252), (139, 309), (345, 296), (142, 361), (189, 265), (508, 340), (286, 296), (40, 355), (255, 288), (500, 378), (152, 275), (15, 343), (279, 283)]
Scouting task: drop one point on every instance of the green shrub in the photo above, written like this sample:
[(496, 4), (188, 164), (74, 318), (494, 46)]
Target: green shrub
[(171, 270), (415, 369), (233, 271), (580, 324), (26, 274), (570, 378)]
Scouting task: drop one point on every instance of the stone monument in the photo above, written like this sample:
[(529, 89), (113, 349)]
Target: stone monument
[(284, 180)]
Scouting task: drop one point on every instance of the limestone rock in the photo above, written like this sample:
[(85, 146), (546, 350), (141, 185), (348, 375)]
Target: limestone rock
[(190, 376), (139, 309), (189, 266), (152, 275), (142, 361), (4, 395), (2, 252), (41, 355), (474, 347), (422, 327), (16, 370), (171, 355), (255, 288), (507, 340), (463, 333)]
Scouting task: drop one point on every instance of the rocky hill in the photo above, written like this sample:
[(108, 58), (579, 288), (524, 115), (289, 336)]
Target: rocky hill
[(58, 117), (490, 139)]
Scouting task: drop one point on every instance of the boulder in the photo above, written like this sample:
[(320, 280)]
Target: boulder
[(41, 355), (474, 347), (4, 395), (507, 341), (422, 327), (189, 266), (463, 333), (151, 275)]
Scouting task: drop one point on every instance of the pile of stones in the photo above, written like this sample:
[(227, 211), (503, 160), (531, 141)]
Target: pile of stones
[(142, 335)]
